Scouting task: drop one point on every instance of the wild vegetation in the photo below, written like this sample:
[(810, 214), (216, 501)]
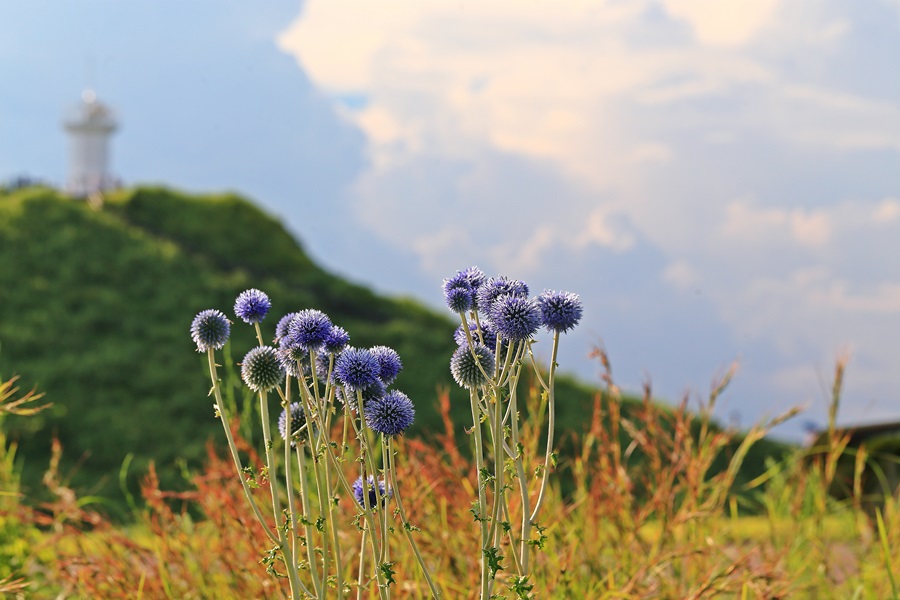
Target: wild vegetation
[(662, 528)]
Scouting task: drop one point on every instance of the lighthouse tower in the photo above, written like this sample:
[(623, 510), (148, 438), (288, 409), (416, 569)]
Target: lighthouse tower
[(89, 126)]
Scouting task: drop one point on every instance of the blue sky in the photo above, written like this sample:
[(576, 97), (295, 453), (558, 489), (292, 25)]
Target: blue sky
[(719, 181)]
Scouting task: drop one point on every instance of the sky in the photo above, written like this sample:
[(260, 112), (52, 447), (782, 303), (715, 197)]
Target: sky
[(719, 181)]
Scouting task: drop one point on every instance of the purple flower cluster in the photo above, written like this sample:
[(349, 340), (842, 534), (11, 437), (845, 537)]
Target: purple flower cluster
[(357, 368), (360, 491), (461, 290), (309, 329), (471, 367), (390, 415), (505, 308), (308, 343), (369, 372), (560, 311), (261, 369), (504, 312), (297, 420), (252, 306), (210, 330)]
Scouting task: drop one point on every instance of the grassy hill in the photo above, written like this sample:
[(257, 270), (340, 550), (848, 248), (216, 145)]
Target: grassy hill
[(96, 307)]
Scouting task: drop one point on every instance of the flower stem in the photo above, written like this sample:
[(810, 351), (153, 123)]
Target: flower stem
[(288, 468), (482, 500), (307, 529), (231, 446), (435, 591), (285, 547), (551, 421)]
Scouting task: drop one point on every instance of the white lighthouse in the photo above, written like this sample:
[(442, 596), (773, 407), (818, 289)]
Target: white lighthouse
[(89, 126)]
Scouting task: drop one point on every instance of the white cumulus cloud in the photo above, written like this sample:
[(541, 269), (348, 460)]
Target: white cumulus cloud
[(744, 150)]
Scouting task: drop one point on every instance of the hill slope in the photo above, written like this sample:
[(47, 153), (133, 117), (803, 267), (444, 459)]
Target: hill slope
[(97, 305)]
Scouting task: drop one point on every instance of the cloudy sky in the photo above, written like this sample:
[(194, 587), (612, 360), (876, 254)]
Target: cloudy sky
[(719, 180)]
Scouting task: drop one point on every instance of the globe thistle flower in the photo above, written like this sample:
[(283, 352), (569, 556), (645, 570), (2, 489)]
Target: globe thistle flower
[(293, 359), (373, 392), (475, 276), (359, 491), (336, 340), (495, 287), (388, 363), (281, 329), (464, 366), (309, 329), (356, 368), (487, 332), (392, 414), (515, 317), (560, 311), (210, 330), (459, 294), (252, 306), (261, 370), (297, 418)]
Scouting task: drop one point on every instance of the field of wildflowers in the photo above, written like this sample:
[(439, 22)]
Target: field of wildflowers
[(335, 502)]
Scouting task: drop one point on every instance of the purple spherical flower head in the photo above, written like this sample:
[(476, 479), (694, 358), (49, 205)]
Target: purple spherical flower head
[(459, 293), (281, 330), (465, 367), (495, 287), (487, 332), (357, 368), (459, 336), (475, 276), (309, 329), (359, 491), (336, 340), (388, 362), (210, 330), (391, 414), (516, 317), (252, 305), (294, 359), (373, 392), (560, 311), (298, 420), (261, 369)]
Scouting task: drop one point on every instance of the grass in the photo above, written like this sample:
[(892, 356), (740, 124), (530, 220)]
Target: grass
[(645, 518)]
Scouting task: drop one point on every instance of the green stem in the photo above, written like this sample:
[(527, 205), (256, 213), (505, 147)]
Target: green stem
[(259, 337), (307, 529), (551, 421), (468, 332), (362, 566), (385, 461), (482, 500), (435, 591), (523, 481), (332, 525), (286, 552), (231, 446), (288, 468)]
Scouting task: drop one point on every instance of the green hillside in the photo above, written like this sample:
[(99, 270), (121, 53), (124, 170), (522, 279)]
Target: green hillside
[(96, 307)]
